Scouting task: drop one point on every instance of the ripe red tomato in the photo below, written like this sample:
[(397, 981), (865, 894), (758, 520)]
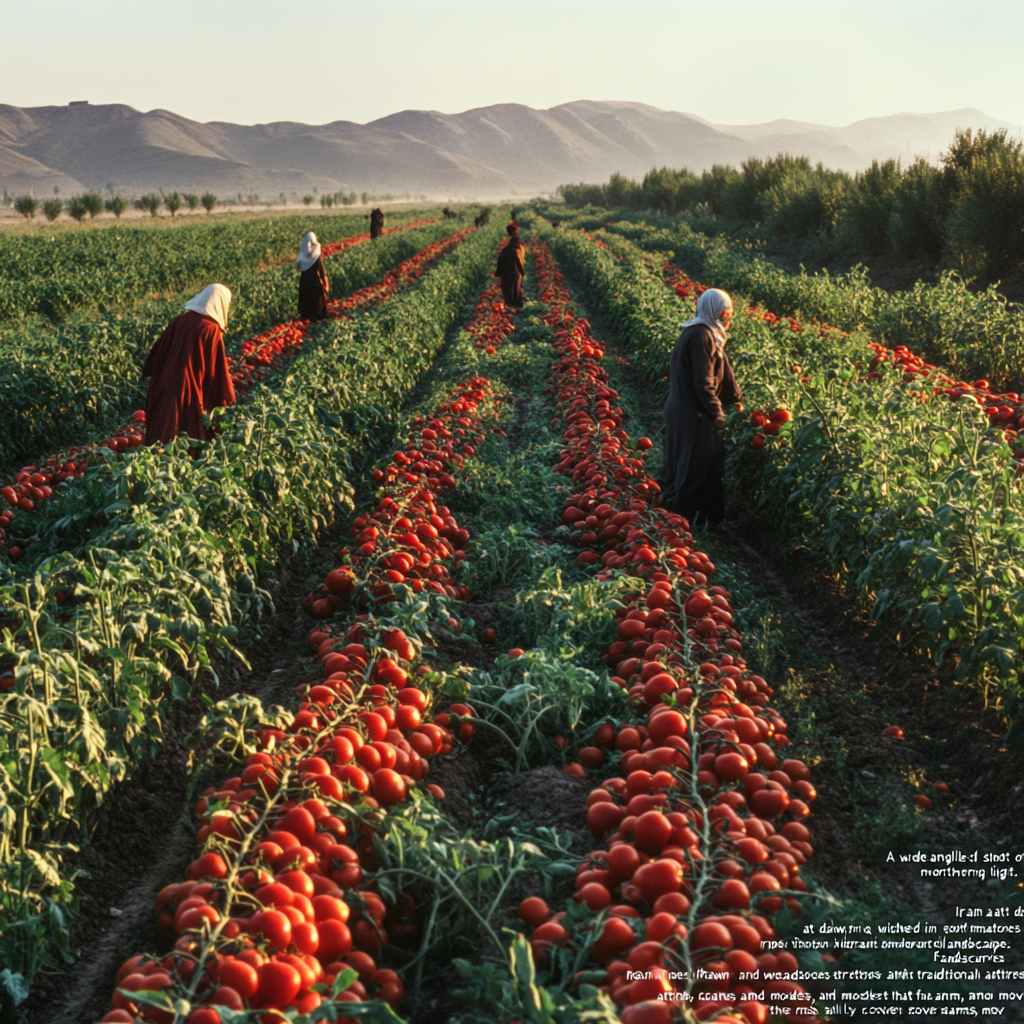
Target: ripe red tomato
[(388, 786), (274, 926), (279, 984), (240, 976)]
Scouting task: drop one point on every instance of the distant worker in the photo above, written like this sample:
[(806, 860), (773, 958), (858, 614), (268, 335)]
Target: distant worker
[(701, 383), (511, 264), (313, 287), (376, 223), (188, 370)]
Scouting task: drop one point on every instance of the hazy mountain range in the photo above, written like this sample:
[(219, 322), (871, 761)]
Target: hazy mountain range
[(490, 152)]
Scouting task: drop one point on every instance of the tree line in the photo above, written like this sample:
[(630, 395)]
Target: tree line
[(89, 204), (966, 213)]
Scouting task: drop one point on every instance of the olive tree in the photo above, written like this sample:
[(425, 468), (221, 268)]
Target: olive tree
[(53, 208), (191, 200), (116, 205), (209, 201), (150, 201), (26, 206), (77, 208), (173, 202), (93, 203)]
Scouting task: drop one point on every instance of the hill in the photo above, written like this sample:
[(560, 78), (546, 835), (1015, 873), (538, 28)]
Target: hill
[(503, 150)]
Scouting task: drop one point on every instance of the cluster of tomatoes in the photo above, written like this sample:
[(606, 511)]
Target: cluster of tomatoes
[(35, 484), (409, 539), (680, 283), (286, 339), (276, 913), (1004, 411), (767, 424), (275, 909), (491, 321), (702, 824)]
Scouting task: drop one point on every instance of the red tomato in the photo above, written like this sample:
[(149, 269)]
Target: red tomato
[(240, 976), (279, 984), (274, 926), (388, 786)]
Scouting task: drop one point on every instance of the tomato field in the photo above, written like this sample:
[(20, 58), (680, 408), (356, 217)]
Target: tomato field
[(402, 699)]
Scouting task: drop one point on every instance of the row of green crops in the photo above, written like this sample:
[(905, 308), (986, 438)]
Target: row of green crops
[(973, 334), (112, 267), (58, 383), (915, 502), (160, 557)]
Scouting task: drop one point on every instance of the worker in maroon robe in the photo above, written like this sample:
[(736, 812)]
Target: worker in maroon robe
[(701, 385), (314, 289), (377, 223), (511, 265), (188, 369)]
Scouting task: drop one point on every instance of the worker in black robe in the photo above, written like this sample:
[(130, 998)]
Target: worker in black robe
[(314, 289), (376, 223), (701, 385), (511, 265)]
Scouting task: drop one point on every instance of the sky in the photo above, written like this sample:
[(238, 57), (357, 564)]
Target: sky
[(730, 61)]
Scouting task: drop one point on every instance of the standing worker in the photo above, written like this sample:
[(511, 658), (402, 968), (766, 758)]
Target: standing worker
[(511, 264), (188, 370), (701, 382), (376, 223), (313, 286)]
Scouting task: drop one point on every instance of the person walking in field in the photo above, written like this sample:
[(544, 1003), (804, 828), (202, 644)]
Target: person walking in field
[(701, 384), (188, 369), (511, 264), (377, 223), (314, 289)]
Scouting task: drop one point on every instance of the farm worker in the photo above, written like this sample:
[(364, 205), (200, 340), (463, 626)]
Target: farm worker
[(376, 223), (188, 370), (701, 382), (313, 286), (511, 261)]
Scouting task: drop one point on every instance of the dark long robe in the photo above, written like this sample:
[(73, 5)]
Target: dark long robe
[(701, 383), (188, 375), (511, 264), (376, 223), (313, 292)]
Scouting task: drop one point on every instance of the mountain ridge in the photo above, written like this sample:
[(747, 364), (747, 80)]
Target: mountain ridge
[(501, 150)]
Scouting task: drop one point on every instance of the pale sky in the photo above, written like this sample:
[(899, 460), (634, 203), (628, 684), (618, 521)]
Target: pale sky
[(730, 61)]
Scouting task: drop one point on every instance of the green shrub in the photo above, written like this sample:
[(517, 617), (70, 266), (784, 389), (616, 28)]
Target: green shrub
[(116, 205), (26, 206)]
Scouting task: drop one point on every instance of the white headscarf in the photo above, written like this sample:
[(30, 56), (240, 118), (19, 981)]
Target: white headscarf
[(710, 307), (213, 301), (309, 251)]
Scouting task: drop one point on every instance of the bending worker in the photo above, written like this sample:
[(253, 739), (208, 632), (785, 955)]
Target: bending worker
[(188, 369)]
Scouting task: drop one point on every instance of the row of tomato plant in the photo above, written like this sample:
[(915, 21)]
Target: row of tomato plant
[(34, 484), (53, 273), (700, 828), (976, 334), (911, 496), (287, 906), (406, 546), (161, 554), (57, 380)]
